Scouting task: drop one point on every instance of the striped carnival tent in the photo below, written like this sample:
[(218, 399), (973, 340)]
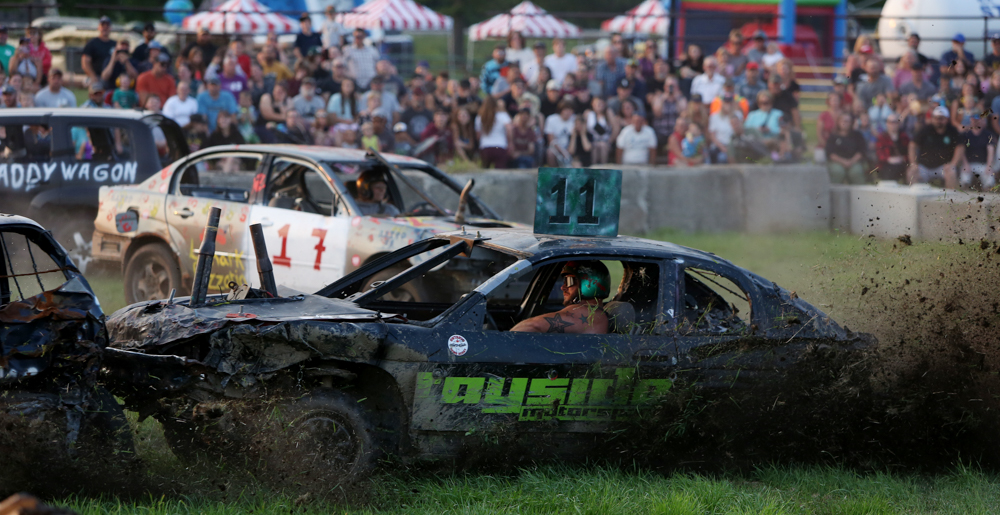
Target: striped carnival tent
[(649, 17), (241, 17), (394, 15), (528, 19)]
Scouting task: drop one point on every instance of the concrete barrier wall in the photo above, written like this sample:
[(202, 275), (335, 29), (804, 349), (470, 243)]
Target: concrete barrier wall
[(762, 200)]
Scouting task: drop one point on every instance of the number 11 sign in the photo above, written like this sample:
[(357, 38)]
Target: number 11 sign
[(578, 201)]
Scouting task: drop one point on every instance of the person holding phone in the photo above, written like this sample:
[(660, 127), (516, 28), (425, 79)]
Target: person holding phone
[(22, 62)]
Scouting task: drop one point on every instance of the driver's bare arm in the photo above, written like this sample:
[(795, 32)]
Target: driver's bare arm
[(576, 319)]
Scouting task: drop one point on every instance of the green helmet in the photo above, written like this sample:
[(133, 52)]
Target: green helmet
[(593, 277)]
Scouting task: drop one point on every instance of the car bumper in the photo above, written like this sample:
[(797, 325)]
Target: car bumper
[(109, 247)]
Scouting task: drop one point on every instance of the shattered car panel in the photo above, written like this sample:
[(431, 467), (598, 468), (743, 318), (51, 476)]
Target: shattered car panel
[(437, 376)]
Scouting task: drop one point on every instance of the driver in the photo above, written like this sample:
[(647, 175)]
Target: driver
[(372, 196), (585, 285)]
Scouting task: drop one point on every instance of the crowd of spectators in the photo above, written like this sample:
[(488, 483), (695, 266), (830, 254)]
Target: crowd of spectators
[(544, 105)]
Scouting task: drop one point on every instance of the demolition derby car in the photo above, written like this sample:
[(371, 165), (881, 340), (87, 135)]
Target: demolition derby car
[(53, 413), (325, 211), (332, 381)]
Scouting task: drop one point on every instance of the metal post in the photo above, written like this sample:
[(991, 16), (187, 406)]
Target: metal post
[(264, 268), (839, 33), (786, 23), (206, 254), (986, 37)]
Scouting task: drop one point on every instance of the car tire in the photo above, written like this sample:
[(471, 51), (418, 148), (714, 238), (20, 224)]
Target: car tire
[(327, 437), (412, 291), (151, 273)]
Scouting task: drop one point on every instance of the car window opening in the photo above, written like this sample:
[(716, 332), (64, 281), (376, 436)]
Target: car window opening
[(708, 310), (414, 192), (25, 261), (297, 187), (227, 177), (26, 142)]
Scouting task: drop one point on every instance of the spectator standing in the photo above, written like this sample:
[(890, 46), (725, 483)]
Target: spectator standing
[(516, 51), (992, 61), (709, 84), (360, 60), (55, 95), (181, 106), (600, 127), (935, 152), (97, 51), (667, 107), (203, 42), (879, 113), (6, 50), (956, 53), (25, 64), (307, 102), (561, 63), (980, 154), (156, 82), (492, 128), (891, 149), (331, 32), (636, 143), (755, 54), (750, 84), (213, 100), (918, 86), (493, 69), (141, 52), (343, 106), (876, 82), (610, 71), (558, 130), (531, 67), (118, 64), (845, 153), (306, 39)]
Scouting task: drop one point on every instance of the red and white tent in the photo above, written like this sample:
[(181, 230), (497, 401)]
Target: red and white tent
[(649, 17), (241, 17), (528, 19), (394, 15)]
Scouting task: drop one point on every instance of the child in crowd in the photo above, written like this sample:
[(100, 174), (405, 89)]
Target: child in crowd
[(196, 132), (773, 55), (349, 135), (878, 113), (522, 144), (246, 118), (404, 142), (369, 141), (124, 97), (693, 145)]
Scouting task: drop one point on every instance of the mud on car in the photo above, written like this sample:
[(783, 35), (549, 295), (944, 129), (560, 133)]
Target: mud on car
[(342, 377), (306, 199), (54, 416)]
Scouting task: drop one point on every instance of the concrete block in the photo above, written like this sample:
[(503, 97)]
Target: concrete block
[(511, 193), (956, 215), (701, 199), (888, 210), (786, 198), (840, 208), (634, 214)]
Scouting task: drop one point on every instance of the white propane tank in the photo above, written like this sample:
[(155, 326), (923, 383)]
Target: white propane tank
[(900, 18)]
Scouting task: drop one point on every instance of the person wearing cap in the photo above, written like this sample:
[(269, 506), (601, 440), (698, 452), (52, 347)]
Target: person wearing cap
[(609, 73), (97, 51), (560, 62), (307, 102), (6, 50), (623, 93), (917, 85), (936, 152), (845, 152), (755, 54), (709, 84), (9, 95), (854, 65), (213, 100), (980, 154), (141, 52), (55, 95), (332, 31), (360, 60), (639, 88), (306, 39), (493, 69), (204, 42), (550, 102), (749, 84), (152, 55), (530, 68), (734, 50), (874, 83), (95, 96), (156, 81), (956, 53), (729, 89), (992, 61)]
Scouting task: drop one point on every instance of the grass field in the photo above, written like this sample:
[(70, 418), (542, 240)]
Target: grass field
[(823, 268)]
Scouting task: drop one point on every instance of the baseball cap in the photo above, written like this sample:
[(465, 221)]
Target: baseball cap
[(729, 82), (551, 84), (728, 97), (96, 87), (941, 111), (104, 19), (304, 17), (149, 26), (213, 80), (539, 44), (995, 36), (759, 34), (198, 118), (7, 89), (203, 30), (309, 80), (424, 64), (753, 66), (866, 49), (624, 84), (840, 79), (914, 35), (154, 44), (959, 38), (163, 58)]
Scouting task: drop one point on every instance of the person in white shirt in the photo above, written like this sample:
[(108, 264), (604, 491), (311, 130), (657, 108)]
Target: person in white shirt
[(720, 129), (558, 129), (492, 126), (559, 62), (181, 106), (533, 66), (516, 52), (332, 29), (636, 143), (710, 83)]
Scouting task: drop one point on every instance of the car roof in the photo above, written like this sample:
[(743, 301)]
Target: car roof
[(7, 219), (318, 153), (77, 112), (529, 245)]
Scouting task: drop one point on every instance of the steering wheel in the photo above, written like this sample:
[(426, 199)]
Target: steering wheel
[(424, 209)]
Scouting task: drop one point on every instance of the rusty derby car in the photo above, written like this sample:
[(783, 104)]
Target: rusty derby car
[(318, 211), (352, 373), (54, 415)]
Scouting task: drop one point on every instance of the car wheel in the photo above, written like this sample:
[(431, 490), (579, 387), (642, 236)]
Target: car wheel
[(151, 273), (328, 437), (412, 291)]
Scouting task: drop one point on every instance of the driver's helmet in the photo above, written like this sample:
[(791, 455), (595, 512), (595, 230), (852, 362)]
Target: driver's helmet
[(592, 276), (365, 181)]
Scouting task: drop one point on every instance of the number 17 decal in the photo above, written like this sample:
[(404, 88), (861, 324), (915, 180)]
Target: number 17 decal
[(321, 234)]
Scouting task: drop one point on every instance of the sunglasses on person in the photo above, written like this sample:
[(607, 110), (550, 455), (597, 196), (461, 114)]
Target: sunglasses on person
[(570, 281)]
